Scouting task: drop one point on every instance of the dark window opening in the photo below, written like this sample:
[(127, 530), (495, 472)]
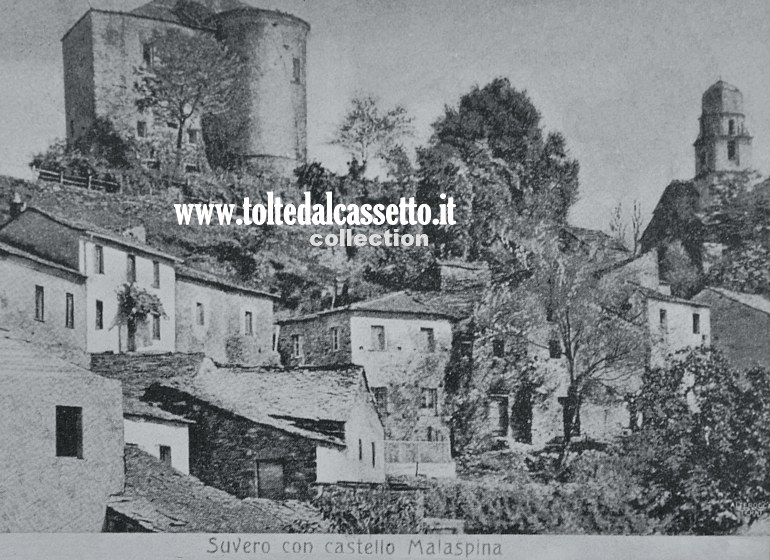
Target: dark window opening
[(141, 129), (99, 259), (498, 415), (696, 323), (360, 450), (334, 334), (99, 315), (374, 455), (155, 274), (39, 303), (131, 269), (192, 168), (428, 340), (429, 399), (200, 312), (192, 136), (663, 320), (156, 327), (554, 348), (248, 327), (381, 399), (378, 337), (731, 150), (731, 127), (165, 454), (498, 348), (429, 434), (296, 345), (296, 70), (69, 314), (69, 431), (148, 54)]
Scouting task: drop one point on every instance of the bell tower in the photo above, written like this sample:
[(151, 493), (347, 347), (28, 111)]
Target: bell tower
[(724, 143)]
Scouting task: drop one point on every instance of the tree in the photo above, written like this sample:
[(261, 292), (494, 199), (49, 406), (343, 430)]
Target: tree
[(369, 131), (679, 271), (704, 443), (190, 76), (563, 306), (619, 227), (492, 145)]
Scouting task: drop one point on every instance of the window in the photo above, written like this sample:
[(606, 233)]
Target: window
[(296, 345), (98, 259), (191, 168), (155, 326), (334, 335), (731, 127), (200, 313), (695, 323), (296, 70), (378, 337), (165, 454), (663, 320), (703, 159), (69, 431), (380, 399), (428, 340), (374, 455), (141, 129), (248, 323), (498, 347), (731, 151), (554, 348), (429, 399), (155, 274), (192, 136), (69, 311), (549, 313), (131, 269), (270, 482), (147, 54), (498, 415), (360, 450), (99, 315), (429, 434), (39, 303)]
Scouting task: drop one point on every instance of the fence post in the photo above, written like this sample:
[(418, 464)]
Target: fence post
[(61, 177)]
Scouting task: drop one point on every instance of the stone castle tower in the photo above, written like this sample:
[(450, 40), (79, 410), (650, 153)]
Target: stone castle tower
[(267, 119), (724, 143)]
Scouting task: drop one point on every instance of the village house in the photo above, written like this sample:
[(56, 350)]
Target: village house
[(228, 322), (740, 326), (60, 283), (158, 499), (155, 431), (61, 442), (404, 347)]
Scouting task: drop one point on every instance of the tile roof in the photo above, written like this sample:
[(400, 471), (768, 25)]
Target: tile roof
[(595, 238), (755, 301), (189, 273), (18, 252), (310, 402), (654, 294), (161, 499), (404, 302)]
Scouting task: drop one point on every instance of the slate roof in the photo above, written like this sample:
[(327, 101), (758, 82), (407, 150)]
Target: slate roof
[(18, 252), (194, 274), (161, 499), (654, 294), (404, 302), (595, 238), (100, 233), (755, 301), (310, 402), (20, 357), (137, 372)]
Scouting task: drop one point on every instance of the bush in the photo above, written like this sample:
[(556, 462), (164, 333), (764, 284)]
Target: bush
[(371, 511)]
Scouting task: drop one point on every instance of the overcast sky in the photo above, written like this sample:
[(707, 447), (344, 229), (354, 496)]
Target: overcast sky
[(621, 79)]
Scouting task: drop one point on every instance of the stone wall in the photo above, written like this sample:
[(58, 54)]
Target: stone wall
[(225, 448)]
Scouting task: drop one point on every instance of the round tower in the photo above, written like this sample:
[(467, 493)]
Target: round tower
[(267, 122), (724, 143)]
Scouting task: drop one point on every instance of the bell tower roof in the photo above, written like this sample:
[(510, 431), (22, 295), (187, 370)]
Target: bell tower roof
[(722, 98)]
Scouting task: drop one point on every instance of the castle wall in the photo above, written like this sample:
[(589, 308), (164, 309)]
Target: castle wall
[(78, 58)]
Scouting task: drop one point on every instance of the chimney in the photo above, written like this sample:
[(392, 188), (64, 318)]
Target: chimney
[(17, 205), (139, 233), (664, 288)]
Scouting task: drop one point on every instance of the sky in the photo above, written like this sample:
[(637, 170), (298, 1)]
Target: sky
[(621, 79)]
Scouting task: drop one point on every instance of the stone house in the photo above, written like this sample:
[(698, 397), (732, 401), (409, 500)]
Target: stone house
[(404, 346), (158, 432), (158, 499), (61, 442), (740, 326), (274, 432), (60, 283), (228, 322), (267, 114)]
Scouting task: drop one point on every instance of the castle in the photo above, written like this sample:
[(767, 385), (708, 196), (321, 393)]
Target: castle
[(103, 49)]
